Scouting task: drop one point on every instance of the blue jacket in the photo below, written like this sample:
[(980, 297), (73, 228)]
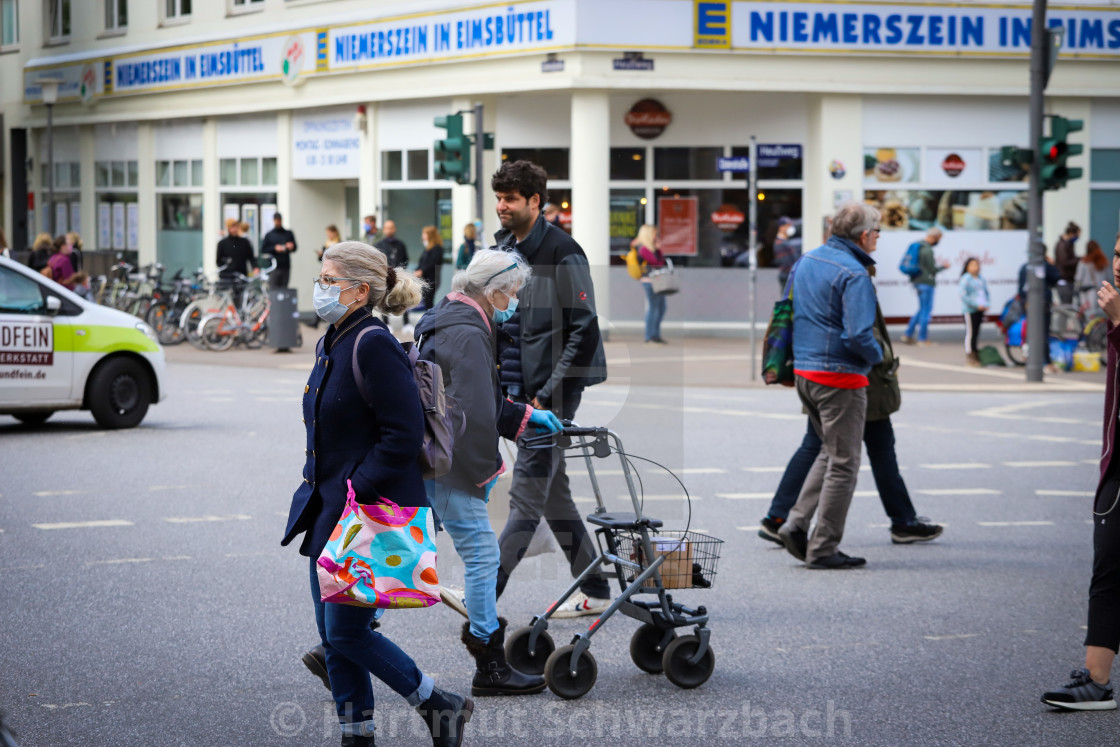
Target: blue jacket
[(834, 310), (974, 293), (375, 445)]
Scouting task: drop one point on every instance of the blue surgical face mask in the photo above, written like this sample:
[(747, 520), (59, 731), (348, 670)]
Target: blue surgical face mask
[(327, 305), (504, 316)]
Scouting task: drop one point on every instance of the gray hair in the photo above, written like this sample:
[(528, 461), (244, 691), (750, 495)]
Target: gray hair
[(853, 218), (492, 270), (934, 231), (368, 265)]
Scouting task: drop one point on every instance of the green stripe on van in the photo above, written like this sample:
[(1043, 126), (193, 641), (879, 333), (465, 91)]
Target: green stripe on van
[(101, 339)]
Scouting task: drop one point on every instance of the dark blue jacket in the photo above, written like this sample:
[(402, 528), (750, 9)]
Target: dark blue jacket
[(373, 440)]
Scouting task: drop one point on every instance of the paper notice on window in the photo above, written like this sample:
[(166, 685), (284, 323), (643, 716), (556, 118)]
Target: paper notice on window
[(104, 226), (133, 236), (118, 226)]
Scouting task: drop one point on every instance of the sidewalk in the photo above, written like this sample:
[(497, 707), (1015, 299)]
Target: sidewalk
[(722, 362)]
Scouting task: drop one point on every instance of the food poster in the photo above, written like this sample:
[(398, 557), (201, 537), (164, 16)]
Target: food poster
[(678, 222), (891, 164), (950, 210)]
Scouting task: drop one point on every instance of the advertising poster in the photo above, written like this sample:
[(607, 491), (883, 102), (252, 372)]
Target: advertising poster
[(326, 145), (76, 216), (118, 226), (249, 214), (951, 210), (230, 211), (267, 211), (891, 165), (104, 226), (679, 223), (625, 221), (61, 218), (132, 239)]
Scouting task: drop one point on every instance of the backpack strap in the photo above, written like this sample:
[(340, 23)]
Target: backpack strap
[(359, 380)]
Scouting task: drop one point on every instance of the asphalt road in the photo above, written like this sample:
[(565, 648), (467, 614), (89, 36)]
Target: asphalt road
[(180, 620)]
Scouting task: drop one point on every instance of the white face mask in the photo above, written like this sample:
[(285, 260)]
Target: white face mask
[(327, 305)]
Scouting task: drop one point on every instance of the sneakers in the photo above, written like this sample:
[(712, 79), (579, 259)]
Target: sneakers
[(918, 530), (769, 530), (837, 561), (455, 598), (906, 339), (579, 604), (972, 359), (796, 542), (1082, 694)]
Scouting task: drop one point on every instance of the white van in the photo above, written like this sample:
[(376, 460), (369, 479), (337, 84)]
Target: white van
[(61, 352)]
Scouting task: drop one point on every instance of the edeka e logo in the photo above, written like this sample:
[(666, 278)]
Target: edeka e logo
[(712, 23)]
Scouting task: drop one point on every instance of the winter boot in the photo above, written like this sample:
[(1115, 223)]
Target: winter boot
[(445, 715), (493, 675)]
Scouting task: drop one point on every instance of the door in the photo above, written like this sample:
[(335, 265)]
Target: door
[(36, 362)]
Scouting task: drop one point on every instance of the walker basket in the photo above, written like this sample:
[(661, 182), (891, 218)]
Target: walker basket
[(690, 557)]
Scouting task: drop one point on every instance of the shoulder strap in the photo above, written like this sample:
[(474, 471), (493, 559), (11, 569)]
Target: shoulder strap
[(359, 380)]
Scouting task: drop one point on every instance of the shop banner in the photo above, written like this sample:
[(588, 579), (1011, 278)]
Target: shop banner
[(949, 29), (1001, 254), (326, 145), (679, 224)]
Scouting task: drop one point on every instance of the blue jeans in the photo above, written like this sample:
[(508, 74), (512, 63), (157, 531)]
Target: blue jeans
[(465, 519), (878, 437), (655, 312), (353, 652), (925, 311)]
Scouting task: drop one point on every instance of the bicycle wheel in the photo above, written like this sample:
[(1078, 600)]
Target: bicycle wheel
[(216, 334), (192, 316), (162, 318), (1017, 353), (1096, 335)]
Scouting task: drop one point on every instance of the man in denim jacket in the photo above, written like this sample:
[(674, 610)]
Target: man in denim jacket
[(833, 351)]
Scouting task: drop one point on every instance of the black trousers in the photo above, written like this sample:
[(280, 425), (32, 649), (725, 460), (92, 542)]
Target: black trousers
[(972, 330), (1104, 589), (279, 278)]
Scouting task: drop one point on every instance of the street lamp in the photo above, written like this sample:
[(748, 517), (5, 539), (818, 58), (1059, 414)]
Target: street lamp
[(49, 87)]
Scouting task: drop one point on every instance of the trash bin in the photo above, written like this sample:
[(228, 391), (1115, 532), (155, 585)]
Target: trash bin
[(283, 319)]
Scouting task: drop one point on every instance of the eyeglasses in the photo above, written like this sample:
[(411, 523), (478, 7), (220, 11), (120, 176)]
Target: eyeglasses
[(325, 281), (875, 231)]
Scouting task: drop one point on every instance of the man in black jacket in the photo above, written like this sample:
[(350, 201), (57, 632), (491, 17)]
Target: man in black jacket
[(279, 243), (235, 253), (560, 353)]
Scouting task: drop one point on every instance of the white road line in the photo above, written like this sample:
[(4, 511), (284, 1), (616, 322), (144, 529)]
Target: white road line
[(659, 497), (1090, 461), (745, 496), (956, 465), (764, 469), (1015, 523), (247, 554), (85, 524), (582, 499), (198, 519), (749, 529), (171, 487), (50, 493), (177, 557), (959, 491), (119, 561), (1071, 493), (953, 637), (1041, 464)]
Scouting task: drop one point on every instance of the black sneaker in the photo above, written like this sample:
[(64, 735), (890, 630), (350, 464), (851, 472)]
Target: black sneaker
[(796, 542), (837, 561), (769, 530), (1082, 694), (918, 530)]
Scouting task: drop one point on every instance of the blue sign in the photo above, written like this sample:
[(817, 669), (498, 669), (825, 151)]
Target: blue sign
[(628, 63), (736, 164), (769, 157)]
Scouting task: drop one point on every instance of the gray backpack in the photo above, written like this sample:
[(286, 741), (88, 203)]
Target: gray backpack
[(440, 410)]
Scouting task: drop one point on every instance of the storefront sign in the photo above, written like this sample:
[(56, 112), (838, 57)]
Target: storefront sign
[(712, 23), (949, 29), (325, 145), (953, 165), (679, 224), (728, 218), (27, 343), (648, 118), (633, 63), (769, 157), (292, 57), (87, 84)]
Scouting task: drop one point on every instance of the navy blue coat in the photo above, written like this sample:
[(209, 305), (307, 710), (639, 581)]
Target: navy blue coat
[(374, 441)]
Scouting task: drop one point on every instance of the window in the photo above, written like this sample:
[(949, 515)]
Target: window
[(391, 166), (9, 23), (228, 170), (116, 174), (58, 19), (250, 172), (116, 15), (176, 9), (268, 171), (628, 164), (246, 172), (686, 163), (417, 165), (19, 295), (178, 173), (553, 160), (180, 212), (245, 6), (67, 174)]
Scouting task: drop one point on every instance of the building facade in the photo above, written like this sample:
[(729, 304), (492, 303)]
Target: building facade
[(175, 115)]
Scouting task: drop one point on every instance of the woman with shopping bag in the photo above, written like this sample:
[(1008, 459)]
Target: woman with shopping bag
[(369, 441)]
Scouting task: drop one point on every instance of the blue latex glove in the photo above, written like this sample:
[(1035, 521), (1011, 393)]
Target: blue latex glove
[(488, 487), (546, 422)]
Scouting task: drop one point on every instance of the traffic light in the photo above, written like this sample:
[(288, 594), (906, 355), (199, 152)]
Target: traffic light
[(1054, 151), (453, 153)]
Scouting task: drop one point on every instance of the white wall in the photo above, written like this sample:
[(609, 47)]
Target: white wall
[(67, 146), (178, 140), (716, 118), (247, 136), (1105, 132), (314, 205), (410, 125), (535, 121), (115, 142), (942, 121)]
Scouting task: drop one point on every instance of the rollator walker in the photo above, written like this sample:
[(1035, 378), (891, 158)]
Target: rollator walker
[(648, 561)]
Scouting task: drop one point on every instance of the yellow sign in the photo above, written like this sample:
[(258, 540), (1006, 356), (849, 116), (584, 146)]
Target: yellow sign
[(712, 24)]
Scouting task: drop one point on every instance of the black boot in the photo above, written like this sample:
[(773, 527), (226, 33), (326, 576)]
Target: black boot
[(445, 715), (354, 740), (494, 675), (316, 659)]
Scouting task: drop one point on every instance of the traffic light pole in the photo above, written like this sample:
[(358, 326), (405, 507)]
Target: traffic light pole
[(1037, 334), (479, 150)]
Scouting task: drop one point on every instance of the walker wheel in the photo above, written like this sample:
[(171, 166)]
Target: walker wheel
[(677, 668), (645, 648), (559, 677), (517, 651)]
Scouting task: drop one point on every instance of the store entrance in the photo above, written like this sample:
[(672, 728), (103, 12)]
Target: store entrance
[(412, 210)]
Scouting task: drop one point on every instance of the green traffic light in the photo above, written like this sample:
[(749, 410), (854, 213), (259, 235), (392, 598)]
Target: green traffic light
[(453, 153)]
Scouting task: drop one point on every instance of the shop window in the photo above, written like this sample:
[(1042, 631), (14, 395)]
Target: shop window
[(628, 213), (9, 23), (101, 174), (417, 165), (117, 174), (553, 160), (268, 172), (628, 164), (249, 172), (686, 163), (180, 176), (227, 167), (1104, 165), (116, 15), (196, 173), (391, 166), (180, 212), (58, 20), (774, 161)]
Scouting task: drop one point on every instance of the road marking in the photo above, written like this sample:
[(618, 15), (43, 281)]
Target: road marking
[(1015, 523), (744, 496), (582, 499), (685, 471), (62, 706), (50, 493), (119, 561), (764, 469), (172, 487), (956, 465), (1072, 493), (1090, 461), (953, 637), (959, 491), (21, 567), (198, 519), (749, 529), (659, 497), (1040, 464), (85, 524), (1010, 412)]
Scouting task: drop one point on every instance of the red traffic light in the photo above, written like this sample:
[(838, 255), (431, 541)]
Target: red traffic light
[(1054, 152)]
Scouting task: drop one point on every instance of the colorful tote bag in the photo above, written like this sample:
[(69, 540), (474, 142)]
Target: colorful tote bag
[(777, 347), (379, 555)]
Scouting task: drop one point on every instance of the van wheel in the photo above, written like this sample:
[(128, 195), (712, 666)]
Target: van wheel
[(33, 418), (119, 393)]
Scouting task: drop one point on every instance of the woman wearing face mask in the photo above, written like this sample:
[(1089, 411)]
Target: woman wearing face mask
[(371, 438), (429, 265), (460, 335)]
